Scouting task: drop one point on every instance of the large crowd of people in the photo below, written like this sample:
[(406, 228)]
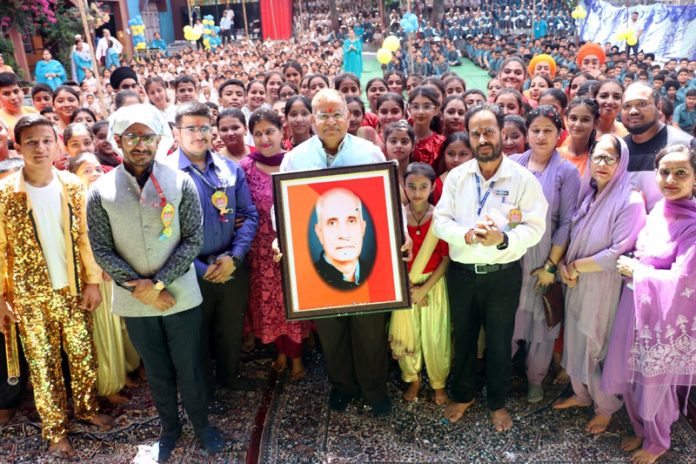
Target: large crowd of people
[(137, 230)]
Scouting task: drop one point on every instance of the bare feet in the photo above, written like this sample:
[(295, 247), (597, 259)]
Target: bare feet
[(298, 370), (116, 398), (501, 420), (102, 421), (598, 424), (62, 449), (131, 382), (455, 411), (280, 364), (440, 396), (6, 415), (411, 393), (644, 457), (562, 378), (632, 443), (142, 373), (571, 402), (249, 342)]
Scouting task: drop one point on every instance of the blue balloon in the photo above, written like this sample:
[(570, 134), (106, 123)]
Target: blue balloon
[(217, 29)]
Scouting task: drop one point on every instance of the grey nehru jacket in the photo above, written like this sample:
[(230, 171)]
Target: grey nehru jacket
[(124, 231)]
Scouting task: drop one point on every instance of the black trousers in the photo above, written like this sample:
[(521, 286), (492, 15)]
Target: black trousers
[(490, 300), (11, 395), (355, 349), (222, 323), (171, 350)]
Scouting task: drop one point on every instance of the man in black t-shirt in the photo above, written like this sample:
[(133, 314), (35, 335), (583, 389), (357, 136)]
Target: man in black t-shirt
[(647, 136)]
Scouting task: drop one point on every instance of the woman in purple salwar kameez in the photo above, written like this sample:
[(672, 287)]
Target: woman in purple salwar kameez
[(652, 347), (606, 225), (561, 184)]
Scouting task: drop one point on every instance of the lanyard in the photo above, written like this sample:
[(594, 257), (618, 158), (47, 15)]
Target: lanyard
[(482, 201), (223, 185), (163, 199)]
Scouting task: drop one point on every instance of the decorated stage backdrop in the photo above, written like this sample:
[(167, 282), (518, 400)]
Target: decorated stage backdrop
[(670, 31)]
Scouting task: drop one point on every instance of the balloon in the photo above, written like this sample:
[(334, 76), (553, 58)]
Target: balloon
[(141, 46), (384, 56), (188, 35), (632, 39), (391, 43), (187, 29), (196, 35)]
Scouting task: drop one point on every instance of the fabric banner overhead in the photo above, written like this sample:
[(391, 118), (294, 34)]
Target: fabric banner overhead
[(276, 19), (669, 31)]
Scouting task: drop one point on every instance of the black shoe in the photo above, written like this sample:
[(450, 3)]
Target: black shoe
[(338, 401), (167, 443), (382, 407), (211, 440)]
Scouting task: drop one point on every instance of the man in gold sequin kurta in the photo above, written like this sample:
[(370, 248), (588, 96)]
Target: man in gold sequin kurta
[(49, 276)]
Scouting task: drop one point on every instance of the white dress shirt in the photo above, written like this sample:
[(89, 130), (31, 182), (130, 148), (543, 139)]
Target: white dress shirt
[(103, 45), (515, 188), (311, 154)]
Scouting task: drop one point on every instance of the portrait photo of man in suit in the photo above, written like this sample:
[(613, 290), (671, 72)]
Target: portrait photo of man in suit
[(340, 229)]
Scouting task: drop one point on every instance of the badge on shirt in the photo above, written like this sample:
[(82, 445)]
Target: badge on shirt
[(167, 217), (514, 217), (219, 199)]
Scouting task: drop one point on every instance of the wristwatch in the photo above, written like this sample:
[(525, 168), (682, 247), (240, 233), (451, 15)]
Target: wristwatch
[(237, 262), (550, 267), (503, 245), (159, 285)]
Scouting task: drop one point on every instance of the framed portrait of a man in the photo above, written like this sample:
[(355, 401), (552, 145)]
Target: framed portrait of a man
[(340, 231)]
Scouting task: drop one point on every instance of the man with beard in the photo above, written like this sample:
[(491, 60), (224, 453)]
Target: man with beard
[(505, 214), (145, 228), (647, 136)]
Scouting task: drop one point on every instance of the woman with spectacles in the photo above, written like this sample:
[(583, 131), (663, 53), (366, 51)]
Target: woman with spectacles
[(266, 308), (560, 182), (656, 312), (423, 106), (610, 214)]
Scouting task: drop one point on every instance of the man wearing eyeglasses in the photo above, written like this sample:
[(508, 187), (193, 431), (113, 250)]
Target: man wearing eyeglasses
[(145, 230), (647, 135), (491, 211), (222, 276), (355, 347)]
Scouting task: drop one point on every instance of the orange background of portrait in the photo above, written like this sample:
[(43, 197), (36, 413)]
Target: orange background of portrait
[(312, 292)]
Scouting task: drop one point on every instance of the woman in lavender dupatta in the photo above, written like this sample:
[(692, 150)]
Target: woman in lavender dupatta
[(560, 182), (606, 225), (652, 346)]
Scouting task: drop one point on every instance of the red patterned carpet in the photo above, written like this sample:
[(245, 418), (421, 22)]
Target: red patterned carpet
[(289, 422)]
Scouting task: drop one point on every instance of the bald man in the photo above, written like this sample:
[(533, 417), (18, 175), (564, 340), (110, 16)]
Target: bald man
[(355, 347), (341, 228)]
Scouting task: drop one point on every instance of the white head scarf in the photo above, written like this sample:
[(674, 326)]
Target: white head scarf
[(141, 114)]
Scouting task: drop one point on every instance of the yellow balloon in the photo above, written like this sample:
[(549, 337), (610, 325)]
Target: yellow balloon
[(196, 35), (140, 46), (632, 39), (187, 29), (384, 56), (391, 43)]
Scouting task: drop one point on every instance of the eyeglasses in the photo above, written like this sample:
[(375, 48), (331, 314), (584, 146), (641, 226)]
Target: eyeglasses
[(191, 130), (324, 117), (417, 108), (134, 139), (606, 159)]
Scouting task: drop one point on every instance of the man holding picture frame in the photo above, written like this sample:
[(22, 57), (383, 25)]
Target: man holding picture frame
[(355, 347)]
